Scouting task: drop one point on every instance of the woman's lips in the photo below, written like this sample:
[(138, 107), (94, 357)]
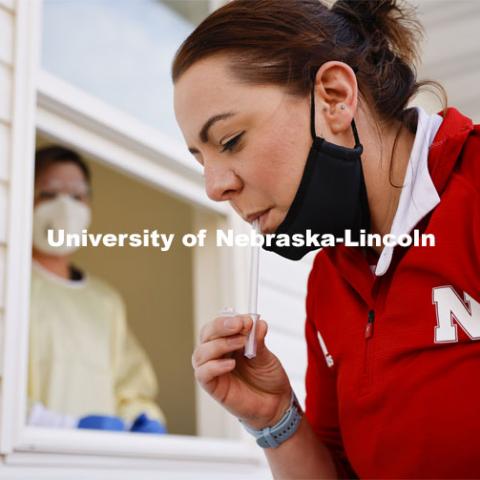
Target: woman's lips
[(263, 220), (254, 216)]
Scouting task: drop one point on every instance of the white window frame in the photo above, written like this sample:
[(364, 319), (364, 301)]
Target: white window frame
[(70, 116)]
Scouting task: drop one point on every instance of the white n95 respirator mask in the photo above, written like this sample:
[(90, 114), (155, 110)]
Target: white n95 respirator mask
[(61, 213)]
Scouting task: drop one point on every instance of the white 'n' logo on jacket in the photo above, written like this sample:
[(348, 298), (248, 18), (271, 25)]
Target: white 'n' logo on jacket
[(449, 308)]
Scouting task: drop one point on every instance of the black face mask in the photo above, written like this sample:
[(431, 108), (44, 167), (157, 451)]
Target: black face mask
[(331, 197)]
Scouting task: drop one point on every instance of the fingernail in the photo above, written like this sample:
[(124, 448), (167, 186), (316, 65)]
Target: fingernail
[(230, 323)]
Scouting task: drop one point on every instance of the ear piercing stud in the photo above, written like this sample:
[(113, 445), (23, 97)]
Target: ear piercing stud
[(342, 106)]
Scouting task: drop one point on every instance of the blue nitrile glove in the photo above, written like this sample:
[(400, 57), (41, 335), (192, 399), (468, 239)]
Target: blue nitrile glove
[(143, 424), (102, 422)]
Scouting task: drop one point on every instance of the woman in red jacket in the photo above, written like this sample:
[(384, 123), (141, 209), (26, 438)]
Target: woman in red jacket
[(299, 115)]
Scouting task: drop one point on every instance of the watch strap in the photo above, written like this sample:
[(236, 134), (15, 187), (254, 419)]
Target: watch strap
[(273, 436)]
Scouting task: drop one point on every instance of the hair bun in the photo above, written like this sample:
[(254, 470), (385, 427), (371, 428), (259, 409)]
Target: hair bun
[(386, 24), (369, 15)]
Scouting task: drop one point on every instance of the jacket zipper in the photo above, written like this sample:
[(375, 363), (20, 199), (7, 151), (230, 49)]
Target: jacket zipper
[(369, 331), (369, 327)]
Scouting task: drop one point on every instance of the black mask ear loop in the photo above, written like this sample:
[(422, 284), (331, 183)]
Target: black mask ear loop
[(312, 108), (312, 113)]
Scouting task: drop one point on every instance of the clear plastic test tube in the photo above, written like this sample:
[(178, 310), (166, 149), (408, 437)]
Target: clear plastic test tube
[(251, 345)]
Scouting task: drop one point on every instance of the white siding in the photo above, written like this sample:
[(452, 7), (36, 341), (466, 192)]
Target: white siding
[(287, 306), (2, 300), (3, 217), (451, 53), (5, 93), (2, 282), (5, 133), (6, 36), (283, 287)]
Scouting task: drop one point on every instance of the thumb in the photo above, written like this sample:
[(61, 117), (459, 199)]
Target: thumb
[(261, 333)]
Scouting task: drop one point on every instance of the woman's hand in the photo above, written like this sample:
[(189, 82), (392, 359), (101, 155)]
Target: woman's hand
[(258, 390)]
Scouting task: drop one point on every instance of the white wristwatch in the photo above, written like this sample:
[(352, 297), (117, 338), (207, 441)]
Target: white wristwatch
[(272, 437)]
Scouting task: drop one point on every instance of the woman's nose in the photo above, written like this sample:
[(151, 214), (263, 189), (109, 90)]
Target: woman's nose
[(221, 182)]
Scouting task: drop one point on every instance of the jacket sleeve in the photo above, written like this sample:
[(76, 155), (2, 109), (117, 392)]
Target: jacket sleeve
[(135, 382), (321, 408)]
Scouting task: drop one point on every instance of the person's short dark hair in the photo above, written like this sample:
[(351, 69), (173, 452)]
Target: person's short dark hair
[(46, 156)]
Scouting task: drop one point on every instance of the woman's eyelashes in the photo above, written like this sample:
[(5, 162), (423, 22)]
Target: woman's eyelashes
[(230, 145)]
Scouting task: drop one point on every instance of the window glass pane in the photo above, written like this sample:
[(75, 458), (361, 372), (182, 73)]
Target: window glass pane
[(120, 51)]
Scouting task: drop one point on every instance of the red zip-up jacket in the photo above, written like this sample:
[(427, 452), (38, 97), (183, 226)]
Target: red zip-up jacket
[(402, 398)]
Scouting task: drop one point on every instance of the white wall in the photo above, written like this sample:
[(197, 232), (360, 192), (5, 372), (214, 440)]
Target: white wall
[(282, 304), (451, 51)]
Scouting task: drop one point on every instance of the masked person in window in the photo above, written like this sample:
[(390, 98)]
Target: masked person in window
[(85, 366), (299, 114)]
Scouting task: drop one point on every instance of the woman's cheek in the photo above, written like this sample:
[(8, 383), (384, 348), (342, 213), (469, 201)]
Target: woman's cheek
[(276, 177)]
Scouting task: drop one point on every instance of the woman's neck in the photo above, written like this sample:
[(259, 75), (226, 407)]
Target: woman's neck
[(54, 264), (384, 170)]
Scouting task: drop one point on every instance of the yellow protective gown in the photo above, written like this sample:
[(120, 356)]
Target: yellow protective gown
[(82, 357)]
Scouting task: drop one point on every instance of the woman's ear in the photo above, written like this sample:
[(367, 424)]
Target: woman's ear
[(336, 93)]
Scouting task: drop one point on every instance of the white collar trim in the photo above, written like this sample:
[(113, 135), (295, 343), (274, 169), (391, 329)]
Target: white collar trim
[(419, 195)]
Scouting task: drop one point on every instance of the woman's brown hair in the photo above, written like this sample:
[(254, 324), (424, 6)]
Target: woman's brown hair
[(282, 42)]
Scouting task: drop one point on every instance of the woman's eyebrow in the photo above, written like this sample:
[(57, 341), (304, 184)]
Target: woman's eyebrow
[(203, 135)]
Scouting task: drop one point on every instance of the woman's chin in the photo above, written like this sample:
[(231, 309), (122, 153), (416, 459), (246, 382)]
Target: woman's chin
[(270, 221)]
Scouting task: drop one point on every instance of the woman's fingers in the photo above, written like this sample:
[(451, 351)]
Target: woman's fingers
[(214, 368), (217, 348), (225, 326), (263, 354), (219, 340), (262, 329)]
